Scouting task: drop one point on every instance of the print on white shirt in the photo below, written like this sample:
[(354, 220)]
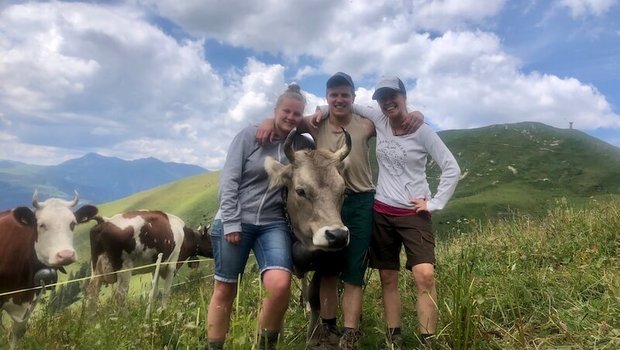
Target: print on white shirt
[(392, 155)]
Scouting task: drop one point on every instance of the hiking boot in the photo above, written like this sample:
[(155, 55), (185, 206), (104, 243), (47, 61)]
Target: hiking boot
[(350, 339), (396, 341), (427, 343), (325, 337)]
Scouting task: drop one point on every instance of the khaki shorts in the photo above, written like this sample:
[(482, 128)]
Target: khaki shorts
[(390, 233)]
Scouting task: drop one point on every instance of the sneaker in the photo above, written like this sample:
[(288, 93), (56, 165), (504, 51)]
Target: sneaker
[(325, 337), (350, 339)]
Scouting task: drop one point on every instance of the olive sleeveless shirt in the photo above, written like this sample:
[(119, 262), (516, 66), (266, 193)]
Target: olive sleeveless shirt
[(357, 173)]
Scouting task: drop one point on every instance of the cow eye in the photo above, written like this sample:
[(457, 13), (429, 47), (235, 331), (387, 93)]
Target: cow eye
[(72, 226), (42, 227), (300, 192)]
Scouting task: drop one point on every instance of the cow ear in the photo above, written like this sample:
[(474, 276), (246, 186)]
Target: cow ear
[(85, 213), (24, 215), (278, 173)]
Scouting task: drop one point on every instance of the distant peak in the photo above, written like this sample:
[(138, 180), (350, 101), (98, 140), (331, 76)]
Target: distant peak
[(93, 155)]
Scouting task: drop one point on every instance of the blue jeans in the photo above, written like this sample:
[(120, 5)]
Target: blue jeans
[(270, 243)]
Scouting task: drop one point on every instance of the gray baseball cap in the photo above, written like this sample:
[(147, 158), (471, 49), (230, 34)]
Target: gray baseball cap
[(389, 84)]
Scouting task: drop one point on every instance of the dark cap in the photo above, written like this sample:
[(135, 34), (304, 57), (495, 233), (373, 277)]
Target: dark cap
[(340, 79), (389, 84)]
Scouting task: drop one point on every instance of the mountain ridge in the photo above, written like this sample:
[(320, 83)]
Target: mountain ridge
[(97, 178)]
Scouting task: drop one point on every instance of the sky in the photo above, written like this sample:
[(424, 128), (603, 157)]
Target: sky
[(176, 80)]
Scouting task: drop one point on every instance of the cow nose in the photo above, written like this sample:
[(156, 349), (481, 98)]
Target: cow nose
[(337, 238), (66, 256)]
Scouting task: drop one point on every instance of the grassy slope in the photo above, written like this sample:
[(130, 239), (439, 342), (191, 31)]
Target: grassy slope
[(194, 199), (576, 166), (550, 164), (519, 283)]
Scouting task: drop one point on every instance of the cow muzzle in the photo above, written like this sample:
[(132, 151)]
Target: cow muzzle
[(331, 238), (65, 257)]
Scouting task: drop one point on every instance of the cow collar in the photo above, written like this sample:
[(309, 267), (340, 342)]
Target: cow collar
[(286, 216), (197, 239), (44, 274)]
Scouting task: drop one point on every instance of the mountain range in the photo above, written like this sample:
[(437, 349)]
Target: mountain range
[(98, 179), (506, 169)]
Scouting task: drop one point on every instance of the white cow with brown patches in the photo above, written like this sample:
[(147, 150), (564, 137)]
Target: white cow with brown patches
[(133, 239)]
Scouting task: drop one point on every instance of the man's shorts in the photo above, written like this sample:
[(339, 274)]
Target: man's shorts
[(357, 216), (391, 232), (271, 244)]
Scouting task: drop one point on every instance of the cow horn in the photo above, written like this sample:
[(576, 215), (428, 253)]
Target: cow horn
[(288, 146), (344, 151), (76, 199), (35, 199)]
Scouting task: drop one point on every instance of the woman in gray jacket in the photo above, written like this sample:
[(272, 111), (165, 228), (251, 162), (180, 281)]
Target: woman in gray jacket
[(251, 217)]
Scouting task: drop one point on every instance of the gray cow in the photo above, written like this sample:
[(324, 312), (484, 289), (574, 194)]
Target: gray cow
[(314, 195)]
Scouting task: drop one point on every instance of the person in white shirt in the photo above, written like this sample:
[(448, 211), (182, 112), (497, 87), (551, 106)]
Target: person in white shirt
[(403, 205)]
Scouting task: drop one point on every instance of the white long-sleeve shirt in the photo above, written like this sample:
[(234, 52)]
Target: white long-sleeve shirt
[(402, 164)]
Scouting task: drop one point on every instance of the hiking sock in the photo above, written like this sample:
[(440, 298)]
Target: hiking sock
[(329, 321), (268, 339), (394, 331), (215, 344)]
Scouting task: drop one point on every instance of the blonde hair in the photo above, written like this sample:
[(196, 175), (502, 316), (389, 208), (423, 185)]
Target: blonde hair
[(292, 91)]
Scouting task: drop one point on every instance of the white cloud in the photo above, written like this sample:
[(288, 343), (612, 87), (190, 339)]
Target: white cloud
[(263, 25), (442, 15), (502, 95), (113, 80), (580, 8), (93, 72)]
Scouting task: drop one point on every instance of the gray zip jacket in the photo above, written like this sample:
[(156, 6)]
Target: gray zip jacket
[(244, 195)]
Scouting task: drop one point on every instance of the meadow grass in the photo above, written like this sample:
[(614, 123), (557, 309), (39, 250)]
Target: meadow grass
[(516, 283)]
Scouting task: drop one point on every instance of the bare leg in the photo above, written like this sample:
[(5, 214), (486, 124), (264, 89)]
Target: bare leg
[(278, 286), (424, 276), (220, 308), (352, 305), (391, 297)]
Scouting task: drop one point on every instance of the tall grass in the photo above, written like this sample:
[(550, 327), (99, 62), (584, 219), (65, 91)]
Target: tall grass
[(517, 283)]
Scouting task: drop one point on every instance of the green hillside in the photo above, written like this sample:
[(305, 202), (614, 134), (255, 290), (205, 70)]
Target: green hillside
[(507, 170), (547, 283), (194, 199), (524, 168), (542, 274)]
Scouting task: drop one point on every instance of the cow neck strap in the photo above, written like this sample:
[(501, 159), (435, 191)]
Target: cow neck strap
[(286, 216)]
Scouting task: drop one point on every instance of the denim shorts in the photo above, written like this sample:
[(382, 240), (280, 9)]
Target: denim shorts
[(270, 243)]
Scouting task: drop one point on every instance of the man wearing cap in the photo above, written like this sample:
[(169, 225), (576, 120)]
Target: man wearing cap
[(356, 210), (403, 205)]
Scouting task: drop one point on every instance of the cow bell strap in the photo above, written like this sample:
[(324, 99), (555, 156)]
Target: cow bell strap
[(285, 213)]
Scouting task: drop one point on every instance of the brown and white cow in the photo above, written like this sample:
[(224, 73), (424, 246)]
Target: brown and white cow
[(33, 244), (136, 238), (314, 197)]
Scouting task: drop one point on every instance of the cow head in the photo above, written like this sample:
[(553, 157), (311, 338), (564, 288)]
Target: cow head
[(202, 244), (55, 223), (315, 193)]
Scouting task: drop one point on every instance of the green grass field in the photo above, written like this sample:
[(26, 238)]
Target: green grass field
[(528, 258), (517, 283)]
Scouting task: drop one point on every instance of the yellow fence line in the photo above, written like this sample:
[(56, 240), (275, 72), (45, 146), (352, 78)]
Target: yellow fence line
[(89, 277)]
